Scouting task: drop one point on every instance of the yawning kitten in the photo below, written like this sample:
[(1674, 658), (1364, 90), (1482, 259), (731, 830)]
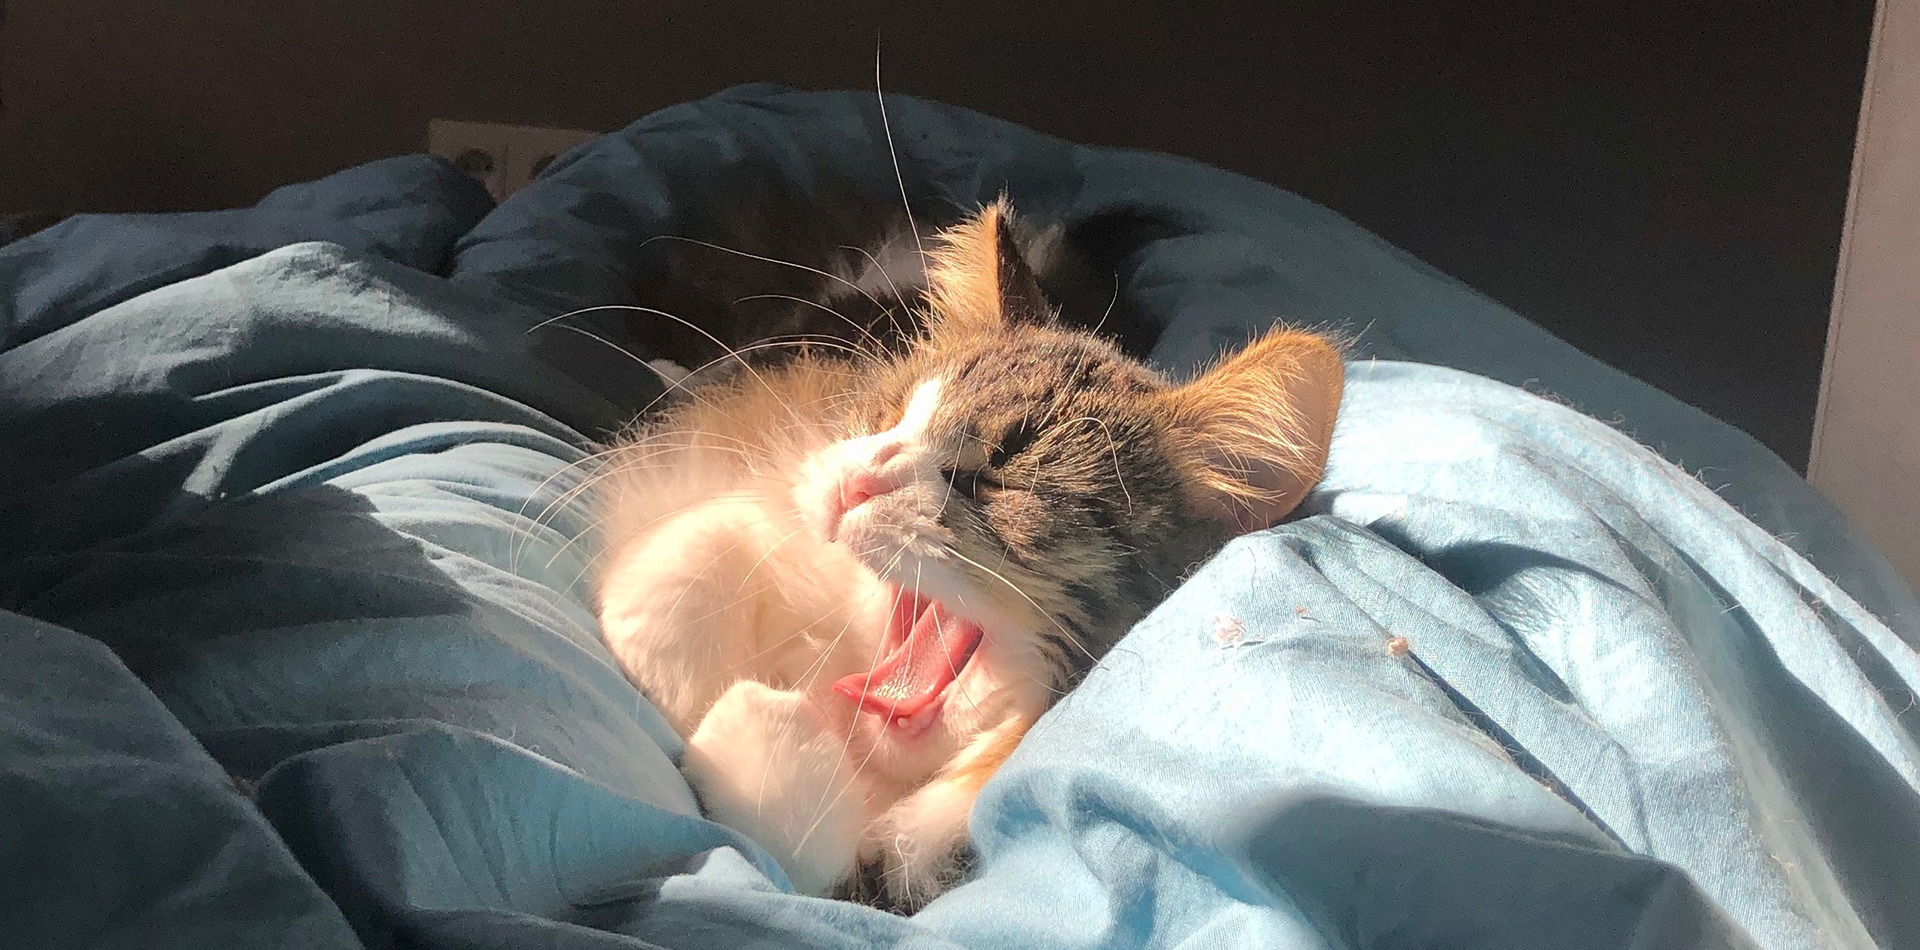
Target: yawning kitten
[(854, 581)]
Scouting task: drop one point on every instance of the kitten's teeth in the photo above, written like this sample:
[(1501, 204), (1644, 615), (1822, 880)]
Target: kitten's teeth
[(919, 722)]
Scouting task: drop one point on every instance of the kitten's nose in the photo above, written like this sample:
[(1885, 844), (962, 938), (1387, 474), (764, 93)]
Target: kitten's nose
[(860, 485)]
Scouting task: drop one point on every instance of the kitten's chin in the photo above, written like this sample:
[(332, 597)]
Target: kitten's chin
[(907, 734), (905, 755), (1001, 675), (901, 753)]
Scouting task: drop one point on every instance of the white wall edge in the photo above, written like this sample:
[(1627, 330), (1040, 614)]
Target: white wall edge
[(1866, 436)]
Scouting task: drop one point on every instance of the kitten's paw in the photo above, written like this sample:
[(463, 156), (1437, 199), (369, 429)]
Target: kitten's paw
[(767, 764)]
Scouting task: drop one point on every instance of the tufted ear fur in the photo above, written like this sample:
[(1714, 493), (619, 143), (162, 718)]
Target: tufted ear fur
[(978, 279), (1253, 432)]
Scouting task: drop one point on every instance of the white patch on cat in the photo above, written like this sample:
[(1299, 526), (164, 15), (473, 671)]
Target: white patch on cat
[(882, 465), (716, 590), (924, 832), (768, 764), (914, 420)]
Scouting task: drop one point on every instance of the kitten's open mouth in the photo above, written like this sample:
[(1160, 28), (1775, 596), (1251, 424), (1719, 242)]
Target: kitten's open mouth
[(925, 647)]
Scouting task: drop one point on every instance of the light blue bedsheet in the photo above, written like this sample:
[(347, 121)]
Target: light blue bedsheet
[(297, 651)]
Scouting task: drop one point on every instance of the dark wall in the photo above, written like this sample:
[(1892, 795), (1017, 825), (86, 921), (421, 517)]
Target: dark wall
[(1662, 186)]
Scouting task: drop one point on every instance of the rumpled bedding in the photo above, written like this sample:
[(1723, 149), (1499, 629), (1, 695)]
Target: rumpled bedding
[(296, 649)]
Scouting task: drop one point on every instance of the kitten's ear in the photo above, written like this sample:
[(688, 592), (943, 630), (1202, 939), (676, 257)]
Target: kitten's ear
[(978, 278), (1253, 432)]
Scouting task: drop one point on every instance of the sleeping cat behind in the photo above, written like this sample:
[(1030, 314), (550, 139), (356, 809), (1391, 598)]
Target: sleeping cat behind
[(855, 578)]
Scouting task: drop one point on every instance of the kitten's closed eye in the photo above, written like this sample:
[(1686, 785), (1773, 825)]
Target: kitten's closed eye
[(1017, 440), (970, 482)]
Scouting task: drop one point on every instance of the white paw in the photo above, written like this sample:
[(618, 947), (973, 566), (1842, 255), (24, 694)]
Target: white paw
[(767, 765)]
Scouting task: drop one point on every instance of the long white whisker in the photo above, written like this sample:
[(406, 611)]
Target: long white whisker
[(737, 494), (1110, 302), (996, 575), (1113, 451), (805, 680), (570, 495), (689, 324), (770, 260), (526, 534), (826, 804), (886, 126), (623, 464), (891, 317), (672, 385), (820, 306)]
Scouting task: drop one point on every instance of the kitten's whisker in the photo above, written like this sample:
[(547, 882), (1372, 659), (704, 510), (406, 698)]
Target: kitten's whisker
[(672, 385), (769, 260), (744, 578), (679, 431), (628, 465), (957, 449), (693, 581), (810, 676), (1110, 302), (807, 673), (526, 534), (591, 527), (624, 464), (1113, 450), (776, 343), (880, 644), (822, 340), (878, 346), (740, 494), (775, 546), (729, 605), (656, 451), (826, 804), (891, 316), (886, 125), (574, 493), (996, 575), (689, 324), (771, 585), (853, 724)]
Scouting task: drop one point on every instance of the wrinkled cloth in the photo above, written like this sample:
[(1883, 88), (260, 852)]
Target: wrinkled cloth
[(296, 537)]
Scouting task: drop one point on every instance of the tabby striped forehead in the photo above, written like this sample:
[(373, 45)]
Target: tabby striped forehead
[(989, 383), (1072, 493)]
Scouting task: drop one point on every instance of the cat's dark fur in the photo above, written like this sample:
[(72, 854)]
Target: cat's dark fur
[(734, 275)]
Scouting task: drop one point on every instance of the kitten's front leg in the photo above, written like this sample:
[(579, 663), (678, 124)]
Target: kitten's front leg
[(674, 611), (767, 764)]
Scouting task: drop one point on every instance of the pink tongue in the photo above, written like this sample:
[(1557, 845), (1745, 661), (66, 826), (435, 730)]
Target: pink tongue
[(927, 659)]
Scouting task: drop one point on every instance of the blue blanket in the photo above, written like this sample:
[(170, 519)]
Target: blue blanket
[(295, 650)]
